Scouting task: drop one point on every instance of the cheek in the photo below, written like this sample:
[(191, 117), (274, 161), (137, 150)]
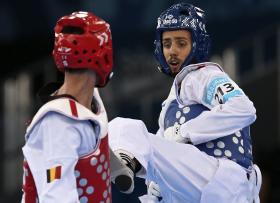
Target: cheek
[(165, 53), (186, 52)]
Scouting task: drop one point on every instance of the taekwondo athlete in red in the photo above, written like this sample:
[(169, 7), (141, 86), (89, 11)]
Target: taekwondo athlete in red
[(66, 152), (202, 151)]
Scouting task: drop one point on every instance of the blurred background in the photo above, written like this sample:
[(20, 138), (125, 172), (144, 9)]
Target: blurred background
[(246, 42)]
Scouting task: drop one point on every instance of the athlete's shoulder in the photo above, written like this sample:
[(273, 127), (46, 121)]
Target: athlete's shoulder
[(55, 120), (207, 68), (61, 108), (207, 72)]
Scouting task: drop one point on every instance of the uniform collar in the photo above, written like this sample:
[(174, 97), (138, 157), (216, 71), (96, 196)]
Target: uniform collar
[(46, 93)]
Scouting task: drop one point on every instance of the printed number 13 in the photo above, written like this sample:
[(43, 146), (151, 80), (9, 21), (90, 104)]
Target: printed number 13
[(220, 93)]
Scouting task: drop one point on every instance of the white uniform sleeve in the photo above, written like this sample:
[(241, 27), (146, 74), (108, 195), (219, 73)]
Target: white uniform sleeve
[(230, 108), (55, 144)]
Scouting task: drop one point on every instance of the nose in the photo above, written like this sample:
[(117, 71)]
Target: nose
[(174, 51)]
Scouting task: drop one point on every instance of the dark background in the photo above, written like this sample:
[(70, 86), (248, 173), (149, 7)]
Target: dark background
[(246, 42)]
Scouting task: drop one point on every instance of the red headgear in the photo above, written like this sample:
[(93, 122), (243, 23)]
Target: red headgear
[(84, 41)]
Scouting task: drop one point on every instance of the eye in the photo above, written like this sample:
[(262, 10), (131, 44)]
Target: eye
[(182, 43), (166, 44)]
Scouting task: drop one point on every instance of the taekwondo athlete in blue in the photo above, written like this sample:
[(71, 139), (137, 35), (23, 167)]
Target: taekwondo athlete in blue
[(202, 151)]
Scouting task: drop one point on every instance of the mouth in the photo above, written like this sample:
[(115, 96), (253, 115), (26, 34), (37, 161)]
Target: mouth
[(174, 65)]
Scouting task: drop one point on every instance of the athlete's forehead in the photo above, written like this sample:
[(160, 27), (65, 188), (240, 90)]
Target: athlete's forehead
[(176, 34)]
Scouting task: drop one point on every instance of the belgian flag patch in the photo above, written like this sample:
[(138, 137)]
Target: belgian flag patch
[(53, 173)]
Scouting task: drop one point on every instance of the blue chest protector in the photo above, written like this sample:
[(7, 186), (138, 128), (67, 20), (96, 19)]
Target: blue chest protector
[(236, 147)]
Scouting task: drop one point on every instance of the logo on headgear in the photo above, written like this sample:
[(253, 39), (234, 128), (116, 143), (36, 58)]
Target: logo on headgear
[(169, 19), (103, 38), (64, 49), (158, 23)]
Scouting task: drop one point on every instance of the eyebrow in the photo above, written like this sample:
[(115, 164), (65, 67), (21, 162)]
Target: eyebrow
[(176, 38)]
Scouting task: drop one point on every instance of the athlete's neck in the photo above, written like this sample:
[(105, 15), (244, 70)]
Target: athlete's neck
[(80, 86)]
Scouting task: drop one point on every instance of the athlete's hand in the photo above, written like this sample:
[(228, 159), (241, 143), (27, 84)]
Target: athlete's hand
[(173, 134)]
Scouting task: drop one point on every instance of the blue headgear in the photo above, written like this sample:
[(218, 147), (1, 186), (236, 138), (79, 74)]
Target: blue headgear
[(187, 17)]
